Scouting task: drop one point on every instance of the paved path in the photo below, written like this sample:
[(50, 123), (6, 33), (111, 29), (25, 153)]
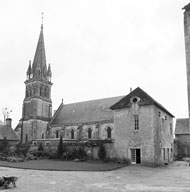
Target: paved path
[(175, 178)]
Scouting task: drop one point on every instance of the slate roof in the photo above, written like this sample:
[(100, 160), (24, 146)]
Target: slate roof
[(182, 126), (6, 131), (145, 99), (85, 112), (40, 56)]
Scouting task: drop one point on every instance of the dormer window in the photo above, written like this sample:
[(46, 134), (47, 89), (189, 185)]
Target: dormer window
[(135, 100)]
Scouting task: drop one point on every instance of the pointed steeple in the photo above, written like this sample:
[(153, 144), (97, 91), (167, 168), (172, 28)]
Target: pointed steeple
[(49, 73), (29, 71), (39, 67)]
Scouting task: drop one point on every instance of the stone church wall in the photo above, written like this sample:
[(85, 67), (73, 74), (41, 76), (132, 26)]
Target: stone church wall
[(99, 131), (34, 130)]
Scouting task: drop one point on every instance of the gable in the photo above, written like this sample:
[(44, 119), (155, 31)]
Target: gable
[(145, 99)]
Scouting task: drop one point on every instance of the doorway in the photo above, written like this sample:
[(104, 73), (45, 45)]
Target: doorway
[(135, 156)]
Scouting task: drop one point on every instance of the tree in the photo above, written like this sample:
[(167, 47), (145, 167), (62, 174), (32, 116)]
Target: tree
[(60, 148), (102, 152)]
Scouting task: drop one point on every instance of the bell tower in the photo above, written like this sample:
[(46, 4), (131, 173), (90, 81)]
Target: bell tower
[(37, 104)]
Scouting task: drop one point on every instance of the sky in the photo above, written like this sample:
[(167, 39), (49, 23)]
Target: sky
[(96, 49)]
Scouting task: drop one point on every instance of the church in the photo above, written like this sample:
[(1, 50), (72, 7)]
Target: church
[(134, 126)]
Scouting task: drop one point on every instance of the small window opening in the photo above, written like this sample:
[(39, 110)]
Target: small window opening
[(89, 133), (135, 100), (109, 133), (72, 134)]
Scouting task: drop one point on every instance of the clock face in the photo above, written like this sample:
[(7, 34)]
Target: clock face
[(31, 75)]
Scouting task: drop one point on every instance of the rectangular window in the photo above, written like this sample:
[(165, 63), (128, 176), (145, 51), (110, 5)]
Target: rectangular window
[(136, 122), (164, 154)]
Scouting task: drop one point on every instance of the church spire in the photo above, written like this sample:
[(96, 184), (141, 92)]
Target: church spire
[(39, 67)]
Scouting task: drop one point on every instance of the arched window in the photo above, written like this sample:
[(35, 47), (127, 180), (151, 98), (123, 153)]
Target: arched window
[(42, 135), (72, 134), (32, 91), (39, 72), (29, 92), (109, 132), (42, 91), (57, 134), (26, 138), (26, 92), (47, 92), (89, 133)]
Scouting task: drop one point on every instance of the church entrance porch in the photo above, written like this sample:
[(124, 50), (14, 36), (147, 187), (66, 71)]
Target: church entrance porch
[(135, 156)]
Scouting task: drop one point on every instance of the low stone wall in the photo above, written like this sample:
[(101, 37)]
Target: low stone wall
[(91, 147)]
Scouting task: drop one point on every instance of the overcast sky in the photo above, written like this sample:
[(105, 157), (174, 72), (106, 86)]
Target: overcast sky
[(97, 49)]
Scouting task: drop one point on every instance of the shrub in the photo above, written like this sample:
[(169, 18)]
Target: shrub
[(102, 152), (22, 149), (29, 156), (40, 147), (126, 161), (82, 153), (60, 148), (52, 155)]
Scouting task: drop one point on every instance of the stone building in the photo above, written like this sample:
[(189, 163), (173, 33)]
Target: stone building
[(134, 127), (182, 130), (37, 104), (6, 131), (143, 129)]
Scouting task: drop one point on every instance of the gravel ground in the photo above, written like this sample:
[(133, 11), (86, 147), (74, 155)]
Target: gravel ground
[(173, 178)]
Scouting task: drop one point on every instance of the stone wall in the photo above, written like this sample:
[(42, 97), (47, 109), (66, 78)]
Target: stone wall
[(34, 129), (151, 137), (182, 145), (163, 137), (127, 138)]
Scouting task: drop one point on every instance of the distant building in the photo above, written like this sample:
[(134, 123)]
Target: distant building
[(134, 127), (7, 132)]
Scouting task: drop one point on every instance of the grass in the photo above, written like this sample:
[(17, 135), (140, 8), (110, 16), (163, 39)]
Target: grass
[(57, 165)]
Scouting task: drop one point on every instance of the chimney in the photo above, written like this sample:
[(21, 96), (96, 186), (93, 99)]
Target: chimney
[(131, 89), (187, 49), (9, 122)]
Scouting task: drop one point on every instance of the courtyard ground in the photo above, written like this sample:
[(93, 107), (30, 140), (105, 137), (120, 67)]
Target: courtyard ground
[(172, 178)]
